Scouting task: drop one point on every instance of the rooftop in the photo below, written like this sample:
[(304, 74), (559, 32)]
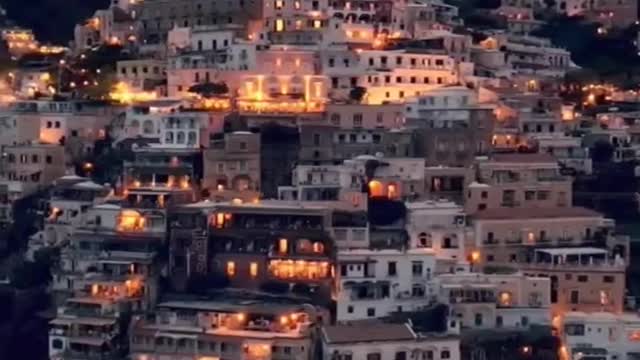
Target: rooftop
[(536, 213), (523, 158), (356, 332)]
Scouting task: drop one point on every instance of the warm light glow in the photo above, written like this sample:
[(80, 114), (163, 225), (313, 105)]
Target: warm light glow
[(122, 93), (475, 256), (392, 191), (283, 245), (279, 25), (299, 269), (241, 317), (284, 320), (130, 220), (297, 62), (253, 269), (505, 298), (317, 24), (318, 248), (231, 268), (45, 77), (375, 188)]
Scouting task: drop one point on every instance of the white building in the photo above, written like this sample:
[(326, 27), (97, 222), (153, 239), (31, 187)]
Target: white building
[(376, 283), (603, 335), (442, 227), (496, 300), (369, 341)]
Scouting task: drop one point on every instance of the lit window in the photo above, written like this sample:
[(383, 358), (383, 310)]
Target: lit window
[(375, 188), (297, 62), (505, 298), (318, 248), (317, 24), (278, 62), (392, 191), (231, 268), (298, 24), (634, 336), (279, 4), (296, 4), (283, 245), (253, 269), (279, 25)]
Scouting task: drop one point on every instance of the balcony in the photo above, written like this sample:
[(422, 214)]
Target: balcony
[(490, 242), (513, 241)]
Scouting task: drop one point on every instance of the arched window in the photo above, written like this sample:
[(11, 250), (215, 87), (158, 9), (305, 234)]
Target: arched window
[(424, 240), (180, 139), (168, 138), (147, 127), (192, 138)]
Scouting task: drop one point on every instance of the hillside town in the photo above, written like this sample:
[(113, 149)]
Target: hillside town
[(323, 180)]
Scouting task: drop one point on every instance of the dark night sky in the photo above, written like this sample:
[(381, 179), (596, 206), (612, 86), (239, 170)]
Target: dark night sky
[(51, 20)]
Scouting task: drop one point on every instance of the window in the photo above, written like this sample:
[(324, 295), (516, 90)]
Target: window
[(243, 145), (49, 124), (484, 195), (279, 25), (350, 309), (529, 195), (316, 139), (231, 268), (478, 319), (499, 321), (574, 297), (543, 195), (608, 279), (57, 124), (57, 344), (583, 278), (357, 120), (34, 159), (391, 268), (416, 268), (371, 312), (374, 356), (524, 321), (445, 354), (279, 4), (253, 269), (49, 159)]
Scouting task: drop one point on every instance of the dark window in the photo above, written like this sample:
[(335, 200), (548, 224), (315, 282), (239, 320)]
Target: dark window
[(371, 312), (609, 279), (350, 309), (401, 355), (445, 354), (391, 268), (574, 298), (583, 278), (57, 344), (49, 159)]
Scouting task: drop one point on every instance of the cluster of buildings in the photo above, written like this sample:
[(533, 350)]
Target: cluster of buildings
[(337, 180)]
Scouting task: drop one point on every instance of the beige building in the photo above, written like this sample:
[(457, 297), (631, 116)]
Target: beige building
[(573, 246), (159, 16), (232, 166), (350, 116), (36, 165), (518, 181)]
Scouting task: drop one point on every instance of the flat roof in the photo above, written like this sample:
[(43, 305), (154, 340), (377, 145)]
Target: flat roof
[(523, 158), (536, 213), (356, 332), (573, 251)]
